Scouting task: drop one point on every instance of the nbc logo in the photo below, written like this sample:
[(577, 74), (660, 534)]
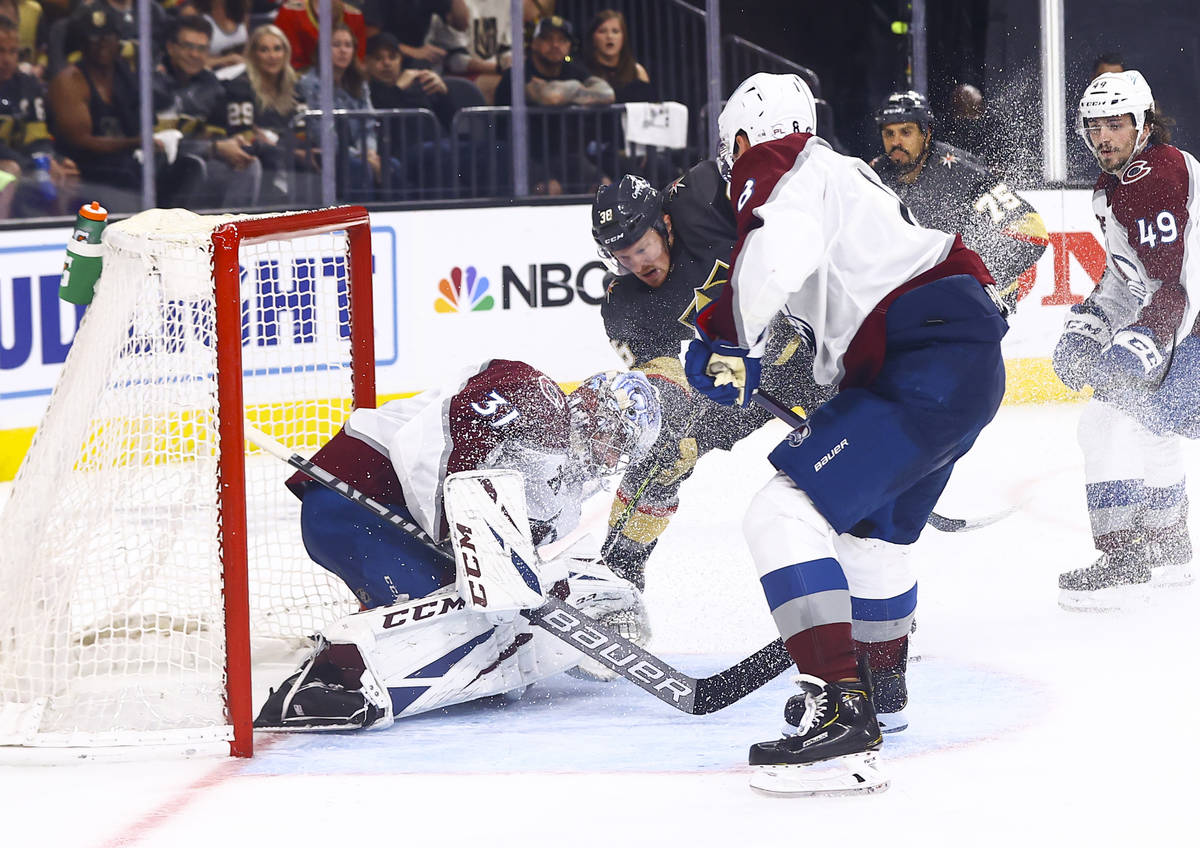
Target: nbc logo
[(458, 295)]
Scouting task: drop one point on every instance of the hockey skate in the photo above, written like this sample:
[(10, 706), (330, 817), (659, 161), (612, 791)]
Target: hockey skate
[(1110, 583), (1171, 563), (891, 697), (832, 750), (323, 696)]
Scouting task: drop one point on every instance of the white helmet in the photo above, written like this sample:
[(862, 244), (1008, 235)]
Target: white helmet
[(1111, 94), (764, 106)]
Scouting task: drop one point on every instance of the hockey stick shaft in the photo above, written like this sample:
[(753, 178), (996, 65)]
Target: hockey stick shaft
[(630, 508), (637, 665), (938, 522)]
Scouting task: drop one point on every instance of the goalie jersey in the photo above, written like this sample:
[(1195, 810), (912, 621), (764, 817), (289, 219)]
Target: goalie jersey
[(504, 414)]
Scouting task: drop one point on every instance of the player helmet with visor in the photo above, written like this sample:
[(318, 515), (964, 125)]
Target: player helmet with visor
[(1124, 93), (764, 107), (621, 214)]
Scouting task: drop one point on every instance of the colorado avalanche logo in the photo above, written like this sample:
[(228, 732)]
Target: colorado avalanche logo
[(796, 438), (1136, 170)]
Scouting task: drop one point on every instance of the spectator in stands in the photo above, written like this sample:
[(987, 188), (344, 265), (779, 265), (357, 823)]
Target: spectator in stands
[(298, 21), (229, 20), (421, 156), (393, 86), (42, 183), (481, 52), (356, 136), (31, 35), (94, 114), (607, 54), (1108, 63), (550, 78), (123, 15), (189, 98), (972, 127), (410, 22), (262, 107)]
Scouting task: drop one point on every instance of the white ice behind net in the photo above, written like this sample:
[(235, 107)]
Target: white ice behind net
[(111, 630)]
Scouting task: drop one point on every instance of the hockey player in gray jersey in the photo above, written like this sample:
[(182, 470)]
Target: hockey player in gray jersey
[(419, 644)]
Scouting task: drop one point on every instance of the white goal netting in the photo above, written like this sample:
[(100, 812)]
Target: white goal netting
[(111, 546)]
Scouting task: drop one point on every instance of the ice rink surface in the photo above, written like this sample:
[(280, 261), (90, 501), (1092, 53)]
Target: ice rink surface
[(1030, 725)]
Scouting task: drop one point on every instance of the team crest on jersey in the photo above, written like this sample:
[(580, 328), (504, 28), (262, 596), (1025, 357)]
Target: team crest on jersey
[(1136, 170), (551, 391), (706, 294), (796, 438), (949, 160)]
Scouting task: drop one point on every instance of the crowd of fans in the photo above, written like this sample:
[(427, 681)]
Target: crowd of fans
[(234, 79)]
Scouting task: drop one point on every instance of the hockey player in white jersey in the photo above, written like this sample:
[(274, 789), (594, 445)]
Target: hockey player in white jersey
[(419, 644), (1135, 341), (906, 321)]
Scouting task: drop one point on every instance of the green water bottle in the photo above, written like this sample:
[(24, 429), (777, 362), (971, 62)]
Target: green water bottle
[(84, 255)]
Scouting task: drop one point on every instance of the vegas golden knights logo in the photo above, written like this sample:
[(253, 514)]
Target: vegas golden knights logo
[(706, 293), (486, 39)]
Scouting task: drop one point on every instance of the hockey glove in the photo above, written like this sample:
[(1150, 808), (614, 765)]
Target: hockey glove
[(677, 460), (1133, 357), (721, 371), (1084, 336)]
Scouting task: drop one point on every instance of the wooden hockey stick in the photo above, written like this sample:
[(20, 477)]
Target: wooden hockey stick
[(938, 522), (694, 695)]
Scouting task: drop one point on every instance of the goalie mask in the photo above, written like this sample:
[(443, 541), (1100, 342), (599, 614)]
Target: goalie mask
[(1115, 94), (621, 214), (615, 419), (764, 107)]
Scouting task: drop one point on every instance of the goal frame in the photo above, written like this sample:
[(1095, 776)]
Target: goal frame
[(227, 240)]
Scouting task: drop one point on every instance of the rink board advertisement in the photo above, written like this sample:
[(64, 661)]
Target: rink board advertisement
[(457, 286)]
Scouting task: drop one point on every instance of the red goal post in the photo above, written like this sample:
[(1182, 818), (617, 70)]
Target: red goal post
[(145, 549)]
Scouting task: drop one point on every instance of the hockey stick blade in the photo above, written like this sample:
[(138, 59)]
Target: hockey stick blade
[(697, 696), (938, 522)]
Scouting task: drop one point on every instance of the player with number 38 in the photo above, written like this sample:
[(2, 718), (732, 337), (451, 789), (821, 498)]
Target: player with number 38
[(1134, 340)]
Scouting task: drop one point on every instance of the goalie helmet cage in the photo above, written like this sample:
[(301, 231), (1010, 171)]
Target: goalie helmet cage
[(144, 548)]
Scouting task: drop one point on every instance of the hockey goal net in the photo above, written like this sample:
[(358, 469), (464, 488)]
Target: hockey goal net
[(145, 549)]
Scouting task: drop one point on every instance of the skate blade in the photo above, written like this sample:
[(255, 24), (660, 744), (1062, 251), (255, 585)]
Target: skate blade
[(854, 774), (892, 722), (1114, 599), (1171, 576)]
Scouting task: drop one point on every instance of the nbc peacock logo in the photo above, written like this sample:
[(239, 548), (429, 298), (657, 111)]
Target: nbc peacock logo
[(463, 295)]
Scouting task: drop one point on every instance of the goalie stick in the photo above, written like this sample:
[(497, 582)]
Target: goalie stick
[(938, 522), (693, 695)]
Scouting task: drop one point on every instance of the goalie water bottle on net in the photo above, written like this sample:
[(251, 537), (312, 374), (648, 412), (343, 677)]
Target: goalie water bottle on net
[(84, 255)]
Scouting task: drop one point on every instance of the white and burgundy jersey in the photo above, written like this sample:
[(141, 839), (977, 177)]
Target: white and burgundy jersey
[(504, 414), (821, 239), (1149, 219)]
